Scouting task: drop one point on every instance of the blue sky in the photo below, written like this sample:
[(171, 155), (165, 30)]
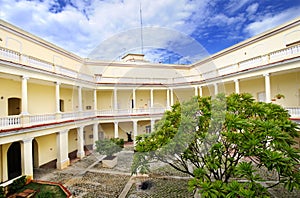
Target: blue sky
[(179, 31)]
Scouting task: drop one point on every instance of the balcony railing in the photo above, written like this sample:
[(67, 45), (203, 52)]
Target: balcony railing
[(19, 121), (294, 112), (263, 59)]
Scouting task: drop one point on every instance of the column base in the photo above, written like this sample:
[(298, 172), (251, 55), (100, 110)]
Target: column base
[(63, 164), (80, 155)]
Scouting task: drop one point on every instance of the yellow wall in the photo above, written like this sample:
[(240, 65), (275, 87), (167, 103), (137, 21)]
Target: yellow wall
[(142, 126), (72, 140), (87, 99), (46, 148), (105, 99), (41, 99), (88, 135), (281, 84), (253, 86), (67, 96), (142, 98), (160, 98), (108, 129), (9, 89), (124, 99)]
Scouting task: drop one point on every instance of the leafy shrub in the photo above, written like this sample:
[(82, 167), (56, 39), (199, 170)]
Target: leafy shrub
[(17, 184), (2, 193), (107, 147), (118, 141)]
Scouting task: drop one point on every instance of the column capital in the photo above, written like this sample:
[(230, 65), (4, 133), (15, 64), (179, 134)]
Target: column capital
[(58, 83), (63, 131), (266, 74), (25, 77), (27, 140), (236, 80)]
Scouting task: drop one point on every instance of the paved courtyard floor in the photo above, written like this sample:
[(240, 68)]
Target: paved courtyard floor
[(87, 178)]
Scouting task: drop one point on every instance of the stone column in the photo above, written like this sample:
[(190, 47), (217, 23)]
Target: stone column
[(95, 100), (57, 97), (79, 99), (26, 157), (168, 99), (196, 90), (152, 125), (172, 98), (237, 86), (135, 131), (80, 142), (115, 99), (267, 87), (116, 128), (216, 88), (62, 143), (95, 134), (151, 99), (24, 96), (200, 91)]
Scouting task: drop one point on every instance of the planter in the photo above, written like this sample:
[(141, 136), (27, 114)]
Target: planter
[(109, 161)]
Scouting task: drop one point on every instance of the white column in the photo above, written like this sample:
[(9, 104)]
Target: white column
[(115, 99), (57, 97), (116, 128), (172, 98), (267, 87), (79, 99), (196, 90), (95, 134), (134, 98), (151, 98), (216, 88), (62, 143), (24, 96), (26, 157), (95, 99), (168, 99), (237, 86), (152, 125), (135, 131), (80, 143), (200, 91)]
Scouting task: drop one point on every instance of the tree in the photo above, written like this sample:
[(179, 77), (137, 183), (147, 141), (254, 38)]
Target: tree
[(109, 146), (220, 141)]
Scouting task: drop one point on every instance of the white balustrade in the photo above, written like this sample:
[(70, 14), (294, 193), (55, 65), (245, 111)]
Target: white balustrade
[(44, 118), (10, 122), (39, 63), (9, 54), (293, 111), (253, 62)]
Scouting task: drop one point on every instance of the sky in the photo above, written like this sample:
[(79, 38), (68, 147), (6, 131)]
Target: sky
[(173, 31)]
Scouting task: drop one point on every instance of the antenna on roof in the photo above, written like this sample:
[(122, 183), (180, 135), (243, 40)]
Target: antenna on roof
[(141, 19)]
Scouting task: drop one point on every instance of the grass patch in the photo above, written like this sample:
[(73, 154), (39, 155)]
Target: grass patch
[(45, 190)]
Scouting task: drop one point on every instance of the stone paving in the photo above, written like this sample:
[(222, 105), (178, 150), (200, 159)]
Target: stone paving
[(87, 178)]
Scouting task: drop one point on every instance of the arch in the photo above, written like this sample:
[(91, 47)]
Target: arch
[(35, 154), (14, 106), (14, 166)]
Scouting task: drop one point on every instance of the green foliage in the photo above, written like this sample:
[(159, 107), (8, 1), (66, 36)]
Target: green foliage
[(107, 147), (45, 194), (118, 141), (17, 184), (217, 140), (2, 192)]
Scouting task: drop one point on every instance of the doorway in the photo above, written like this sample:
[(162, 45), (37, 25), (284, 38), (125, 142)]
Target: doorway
[(14, 106), (14, 160)]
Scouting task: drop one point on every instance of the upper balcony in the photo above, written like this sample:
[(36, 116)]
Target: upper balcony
[(18, 122), (259, 62)]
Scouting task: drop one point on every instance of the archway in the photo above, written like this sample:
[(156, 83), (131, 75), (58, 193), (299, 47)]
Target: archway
[(14, 106), (14, 160), (35, 154)]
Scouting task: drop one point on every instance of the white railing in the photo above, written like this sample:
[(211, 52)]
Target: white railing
[(294, 111), (272, 57), (10, 122), (44, 118)]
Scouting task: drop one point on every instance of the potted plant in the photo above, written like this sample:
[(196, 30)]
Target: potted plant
[(108, 147), (279, 96)]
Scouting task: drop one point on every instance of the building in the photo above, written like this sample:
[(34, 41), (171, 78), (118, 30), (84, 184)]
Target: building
[(55, 104)]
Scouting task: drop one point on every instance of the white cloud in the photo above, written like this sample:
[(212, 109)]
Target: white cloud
[(252, 8), (235, 5), (270, 21)]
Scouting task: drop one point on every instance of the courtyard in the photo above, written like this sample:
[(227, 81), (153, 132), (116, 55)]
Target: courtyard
[(87, 178)]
